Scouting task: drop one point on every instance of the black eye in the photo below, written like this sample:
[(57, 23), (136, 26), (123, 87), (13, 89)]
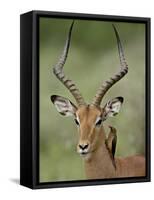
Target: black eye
[(99, 122), (76, 121)]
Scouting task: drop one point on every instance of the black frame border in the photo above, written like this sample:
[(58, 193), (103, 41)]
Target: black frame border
[(29, 99)]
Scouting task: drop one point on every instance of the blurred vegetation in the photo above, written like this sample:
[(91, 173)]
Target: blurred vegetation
[(93, 57)]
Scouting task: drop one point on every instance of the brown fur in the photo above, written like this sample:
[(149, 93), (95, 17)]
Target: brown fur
[(97, 150), (99, 162)]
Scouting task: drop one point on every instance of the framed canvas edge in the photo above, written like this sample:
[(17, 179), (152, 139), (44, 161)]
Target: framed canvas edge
[(35, 96), (26, 176)]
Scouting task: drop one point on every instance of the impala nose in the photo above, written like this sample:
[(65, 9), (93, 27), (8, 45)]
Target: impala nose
[(83, 146)]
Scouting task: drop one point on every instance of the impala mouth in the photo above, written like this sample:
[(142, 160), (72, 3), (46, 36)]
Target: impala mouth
[(84, 153)]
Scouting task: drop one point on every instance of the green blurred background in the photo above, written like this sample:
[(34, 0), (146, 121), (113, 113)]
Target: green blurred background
[(93, 57)]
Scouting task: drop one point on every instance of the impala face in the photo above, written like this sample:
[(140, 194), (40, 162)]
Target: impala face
[(89, 120)]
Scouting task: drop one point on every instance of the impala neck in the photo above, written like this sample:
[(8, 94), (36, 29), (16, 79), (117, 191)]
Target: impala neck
[(100, 164)]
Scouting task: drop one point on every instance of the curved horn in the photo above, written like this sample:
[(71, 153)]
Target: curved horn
[(110, 82), (58, 71)]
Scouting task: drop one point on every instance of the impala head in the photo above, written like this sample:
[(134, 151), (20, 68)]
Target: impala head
[(89, 118)]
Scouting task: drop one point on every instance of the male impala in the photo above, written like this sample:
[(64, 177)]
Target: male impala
[(94, 146)]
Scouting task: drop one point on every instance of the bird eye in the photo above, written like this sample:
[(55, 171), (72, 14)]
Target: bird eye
[(99, 122), (76, 121)]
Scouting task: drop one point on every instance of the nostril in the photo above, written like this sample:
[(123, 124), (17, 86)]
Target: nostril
[(84, 146)]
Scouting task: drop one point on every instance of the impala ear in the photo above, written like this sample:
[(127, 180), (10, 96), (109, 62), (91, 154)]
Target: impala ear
[(64, 106), (112, 108)]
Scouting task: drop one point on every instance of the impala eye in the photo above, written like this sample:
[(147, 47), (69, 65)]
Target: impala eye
[(98, 123), (76, 121)]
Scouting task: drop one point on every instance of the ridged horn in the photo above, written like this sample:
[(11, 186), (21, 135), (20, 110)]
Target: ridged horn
[(110, 82), (59, 73)]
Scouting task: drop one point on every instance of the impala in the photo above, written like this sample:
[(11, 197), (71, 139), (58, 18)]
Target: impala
[(97, 149)]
